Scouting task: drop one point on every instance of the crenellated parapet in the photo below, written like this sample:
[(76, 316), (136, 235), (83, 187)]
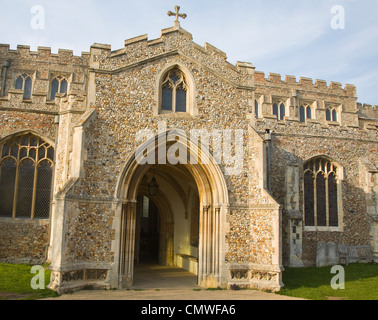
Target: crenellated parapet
[(368, 111), (368, 116), (43, 53), (34, 80), (309, 101), (173, 42), (274, 81)]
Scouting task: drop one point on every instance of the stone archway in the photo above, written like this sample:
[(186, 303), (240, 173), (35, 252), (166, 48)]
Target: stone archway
[(213, 199)]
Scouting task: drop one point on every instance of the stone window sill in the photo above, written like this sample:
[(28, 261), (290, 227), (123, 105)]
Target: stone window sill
[(322, 229)]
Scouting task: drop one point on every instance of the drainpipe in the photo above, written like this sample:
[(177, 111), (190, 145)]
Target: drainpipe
[(268, 150), (5, 69)]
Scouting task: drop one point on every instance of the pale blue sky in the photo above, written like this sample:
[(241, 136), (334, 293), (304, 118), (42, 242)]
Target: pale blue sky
[(292, 37)]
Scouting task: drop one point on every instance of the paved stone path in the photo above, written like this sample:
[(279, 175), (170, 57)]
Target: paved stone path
[(152, 282), (172, 294)]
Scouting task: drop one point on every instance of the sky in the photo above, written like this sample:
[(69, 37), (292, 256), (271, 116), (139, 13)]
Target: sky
[(332, 40)]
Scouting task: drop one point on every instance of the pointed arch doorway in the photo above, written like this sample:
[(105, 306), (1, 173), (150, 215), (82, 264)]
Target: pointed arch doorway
[(192, 201)]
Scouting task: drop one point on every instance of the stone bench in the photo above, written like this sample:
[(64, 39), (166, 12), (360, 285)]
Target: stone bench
[(188, 262)]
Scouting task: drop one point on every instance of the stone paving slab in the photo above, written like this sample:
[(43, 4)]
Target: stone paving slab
[(172, 294)]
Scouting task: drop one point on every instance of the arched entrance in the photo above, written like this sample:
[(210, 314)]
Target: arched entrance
[(191, 200)]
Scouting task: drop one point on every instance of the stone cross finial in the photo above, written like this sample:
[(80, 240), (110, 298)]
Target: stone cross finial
[(177, 15)]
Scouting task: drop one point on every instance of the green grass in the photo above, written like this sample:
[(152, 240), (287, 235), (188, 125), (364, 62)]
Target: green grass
[(361, 283), (15, 283)]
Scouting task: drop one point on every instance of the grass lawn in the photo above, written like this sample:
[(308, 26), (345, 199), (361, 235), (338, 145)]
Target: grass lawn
[(15, 283), (361, 283)]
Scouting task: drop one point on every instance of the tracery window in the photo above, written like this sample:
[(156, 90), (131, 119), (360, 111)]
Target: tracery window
[(174, 91), (321, 193), (279, 110), (58, 85), (305, 112), (331, 114), (24, 82), (26, 164)]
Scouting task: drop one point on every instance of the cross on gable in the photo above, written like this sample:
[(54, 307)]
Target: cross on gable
[(177, 15)]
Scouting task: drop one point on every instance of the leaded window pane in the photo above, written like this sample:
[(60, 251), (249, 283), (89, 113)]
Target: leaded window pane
[(32, 153), (25, 141), (63, 86), (309, 199), (181, 99), (14, 151), (334, 115), (25, 189), (33, 141), (28, 87), (302, 114), (50, 153), (282, 111), (7, 181), (321, 204), (41, 153), (5, 151), (19, 157), (54, 88), (332, 200), (309, 113), (20, 83), (167, 98), (328, 115), (256, 109), (23, 153), (43, 190)]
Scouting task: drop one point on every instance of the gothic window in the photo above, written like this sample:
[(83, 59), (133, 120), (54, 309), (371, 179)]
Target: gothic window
[(321, 193), (174, 92), (331, 114), (26, 178), (256, 109), (305, 112), (58, 85), (24, 82), (279, 110)]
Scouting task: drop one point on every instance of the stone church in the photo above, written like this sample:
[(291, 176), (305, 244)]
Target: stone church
[(164, 152)]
